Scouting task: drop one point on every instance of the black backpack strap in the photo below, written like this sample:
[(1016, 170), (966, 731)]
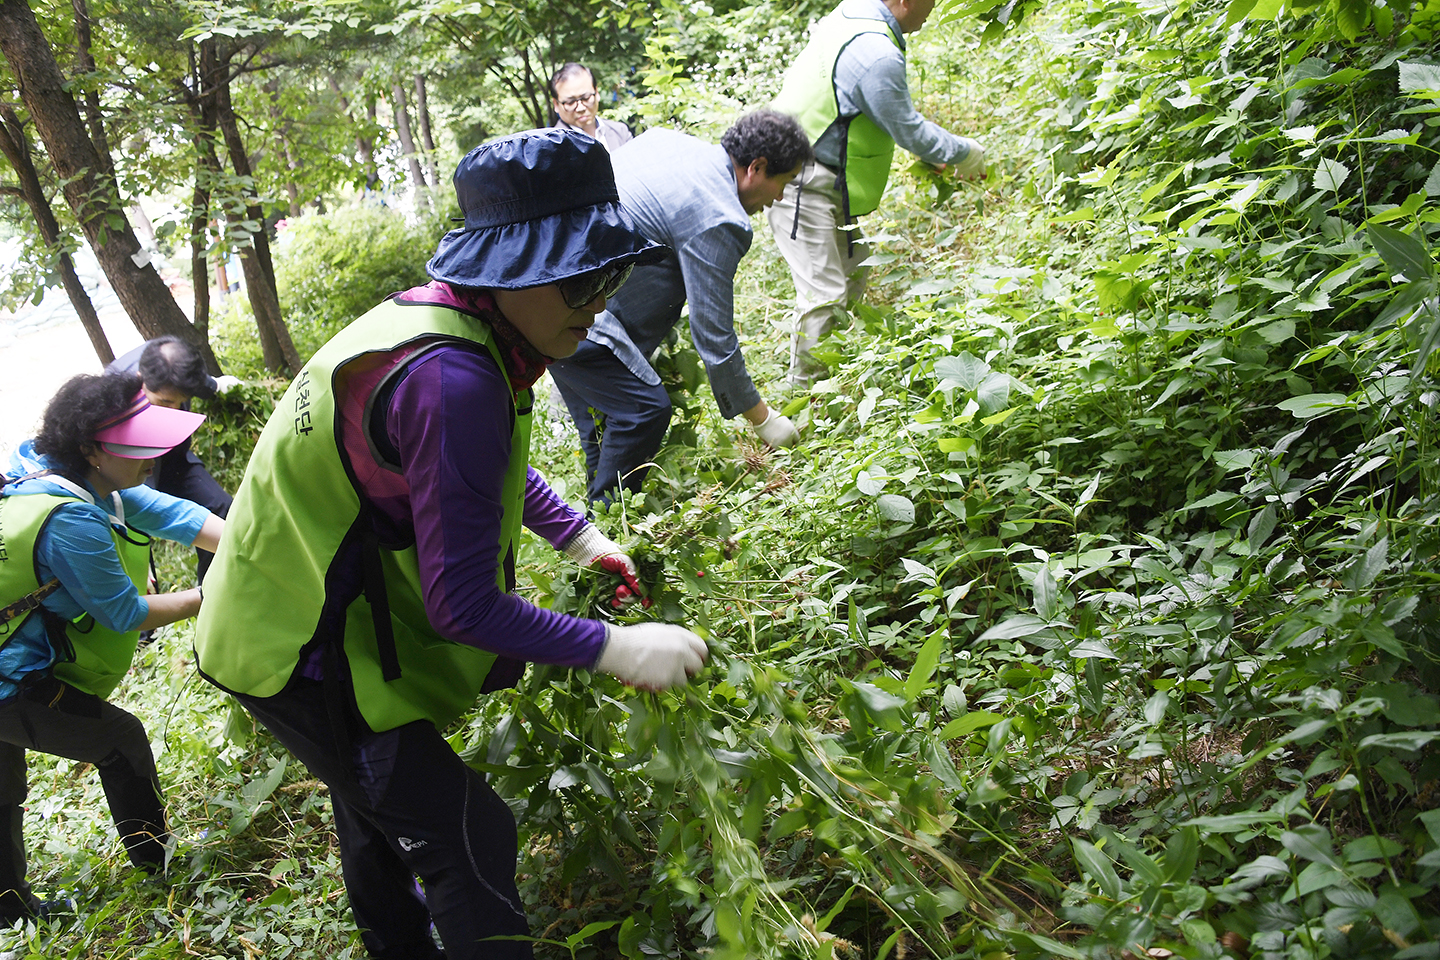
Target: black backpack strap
[(28, 602), (375, 594)]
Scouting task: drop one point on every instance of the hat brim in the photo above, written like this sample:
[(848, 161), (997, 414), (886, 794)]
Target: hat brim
[(545, 250), (149, 433)]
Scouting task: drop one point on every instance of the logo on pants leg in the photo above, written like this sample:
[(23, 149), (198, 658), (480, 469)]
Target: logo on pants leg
[(407, 844)]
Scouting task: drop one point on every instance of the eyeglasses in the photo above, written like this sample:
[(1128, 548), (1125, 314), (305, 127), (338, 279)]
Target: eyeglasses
[(569, 102), (584, 288)]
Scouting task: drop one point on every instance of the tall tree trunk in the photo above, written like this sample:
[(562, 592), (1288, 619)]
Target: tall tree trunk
[(86, 62), (16, 148), (282, 140), (364, 146), (201, 101), (407, 143), (93, 196), (422, 115), (255, 259)]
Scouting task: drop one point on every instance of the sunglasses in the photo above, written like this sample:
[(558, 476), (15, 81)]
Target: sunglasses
[(582, 289)]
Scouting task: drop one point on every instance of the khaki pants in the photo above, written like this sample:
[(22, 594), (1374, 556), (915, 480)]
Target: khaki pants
[(823, 261)]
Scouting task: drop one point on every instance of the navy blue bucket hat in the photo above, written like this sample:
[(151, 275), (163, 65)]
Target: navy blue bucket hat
[(540, 206)]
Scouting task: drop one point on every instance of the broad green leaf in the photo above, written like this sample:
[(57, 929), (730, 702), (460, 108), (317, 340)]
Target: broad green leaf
[(1403, 253), (1229, 460), (1234, 822), (1021, 625), (1352, 17), (1432, 182), (1091, 647), (1197, 932), (895, 507), (1371, 848), (1330, 175), (1089, 858), (256, 792), (1263, 867), (1083, 215), (969, 723), (925, 663), (917, 571), (1311, 842), (1317, 876), (966, 370), (1046, 594), (1417, 77), (1182, 852), (1045, 946), (993, 393), (1366, 568), (1313, 404), (961, 445), (1406, 740), (1156, 706)]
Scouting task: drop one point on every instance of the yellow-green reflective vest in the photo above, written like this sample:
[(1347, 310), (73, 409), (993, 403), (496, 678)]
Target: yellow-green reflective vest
[(296, 522), (97, 657), (808, 94)]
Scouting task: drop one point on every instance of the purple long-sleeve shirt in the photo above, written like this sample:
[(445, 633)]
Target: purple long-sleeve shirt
[(448, 420)]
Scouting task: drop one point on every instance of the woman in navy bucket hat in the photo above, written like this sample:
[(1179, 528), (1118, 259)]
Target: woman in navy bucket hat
[(368, 599)]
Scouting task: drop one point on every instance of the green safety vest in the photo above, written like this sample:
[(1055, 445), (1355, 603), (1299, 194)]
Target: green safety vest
[(268, 600), (808, 94), (94, 657)]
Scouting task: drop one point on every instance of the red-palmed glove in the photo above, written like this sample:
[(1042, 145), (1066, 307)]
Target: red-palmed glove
[(591, 548)]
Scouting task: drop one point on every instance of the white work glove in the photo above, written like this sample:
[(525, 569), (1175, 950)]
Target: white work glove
[(974, 163), (224, 384), (777, 431), (590, 547), (652, 656)]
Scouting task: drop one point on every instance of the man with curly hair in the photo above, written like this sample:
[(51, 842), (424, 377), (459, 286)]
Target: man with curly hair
[(696, 198)]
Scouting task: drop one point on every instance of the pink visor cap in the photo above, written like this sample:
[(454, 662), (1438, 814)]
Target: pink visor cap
[(142, 430)]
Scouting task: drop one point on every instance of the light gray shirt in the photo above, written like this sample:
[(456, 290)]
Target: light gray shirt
[(611, 134), (681, 192), (870, 79)]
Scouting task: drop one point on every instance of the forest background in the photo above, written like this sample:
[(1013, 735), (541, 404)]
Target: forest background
[(1093, 617)]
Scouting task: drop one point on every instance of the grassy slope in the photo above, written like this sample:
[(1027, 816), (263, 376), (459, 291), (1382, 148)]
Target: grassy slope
[(807, 564)]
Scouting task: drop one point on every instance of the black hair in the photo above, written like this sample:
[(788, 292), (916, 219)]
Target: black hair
[(169, 362), (776, 136), (565, 73), (79, 408)]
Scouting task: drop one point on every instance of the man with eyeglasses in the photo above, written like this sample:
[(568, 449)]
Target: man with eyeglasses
[(573, 97), (696, 198)]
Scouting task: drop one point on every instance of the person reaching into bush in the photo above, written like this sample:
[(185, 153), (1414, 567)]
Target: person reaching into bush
[(75, 526), (848, 90), (363, 599), (172, 373)]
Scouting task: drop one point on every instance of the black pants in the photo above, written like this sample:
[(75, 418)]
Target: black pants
[(621, 419), (55, 718), (181, 474), (407, 806)]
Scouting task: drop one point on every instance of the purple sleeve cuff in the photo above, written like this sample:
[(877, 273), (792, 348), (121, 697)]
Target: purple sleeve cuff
[(447, 420), (548, 515)]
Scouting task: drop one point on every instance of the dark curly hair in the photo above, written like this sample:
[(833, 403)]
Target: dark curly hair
[(771, 134), (75, 413)]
